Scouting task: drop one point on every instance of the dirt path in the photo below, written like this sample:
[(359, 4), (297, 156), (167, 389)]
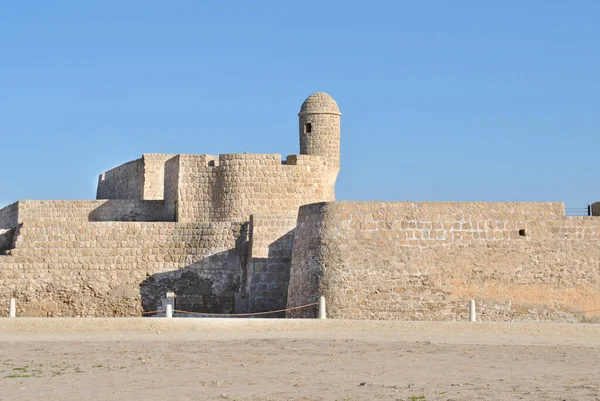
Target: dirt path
[(197, 359)]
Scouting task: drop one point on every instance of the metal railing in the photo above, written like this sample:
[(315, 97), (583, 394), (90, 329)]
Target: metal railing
[(579, 211)]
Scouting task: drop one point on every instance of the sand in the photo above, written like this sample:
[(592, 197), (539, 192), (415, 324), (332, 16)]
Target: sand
[(264, 359)]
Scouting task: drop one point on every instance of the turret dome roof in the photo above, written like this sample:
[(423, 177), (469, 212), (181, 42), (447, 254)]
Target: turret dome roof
[(319, 103)]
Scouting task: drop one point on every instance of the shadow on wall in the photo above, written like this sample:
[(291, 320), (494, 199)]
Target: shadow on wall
[(269, 277), (7, 239), (213, 285), (131, 210), (208, 286)]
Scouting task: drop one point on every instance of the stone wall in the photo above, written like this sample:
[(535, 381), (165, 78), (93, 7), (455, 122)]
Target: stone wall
[(189, 187), (319, 128), (121, 268), (123, 182), (142, 178), (270, 256), (100, 210), (154, 175), (9, 216), (202, 188), (424, 261)]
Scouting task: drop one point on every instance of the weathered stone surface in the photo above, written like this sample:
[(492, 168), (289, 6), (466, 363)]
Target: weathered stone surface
[(268, 270), (425, 261), (121, 268), (123, 182), (99, 210)]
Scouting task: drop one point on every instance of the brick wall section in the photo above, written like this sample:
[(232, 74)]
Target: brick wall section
[(100, 210), (154, 175), (120, 269), (270, 257), (139, 179), (123, 182), (171, 185), (202, 188), (189, 187), (380, 260), (9, 216)]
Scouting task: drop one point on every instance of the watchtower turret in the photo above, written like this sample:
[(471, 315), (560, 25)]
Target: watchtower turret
[(319, 119)]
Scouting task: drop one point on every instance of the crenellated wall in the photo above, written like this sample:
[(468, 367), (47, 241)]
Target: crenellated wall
[(425, 261)]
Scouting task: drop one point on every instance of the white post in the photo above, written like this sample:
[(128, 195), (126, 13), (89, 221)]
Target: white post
[(322, 311), (12, 308), (169, 310), (472, 313)]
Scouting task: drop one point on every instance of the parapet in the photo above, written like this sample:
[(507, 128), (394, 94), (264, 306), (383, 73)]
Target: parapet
[(28, 211), (141, 179), (247, 159)]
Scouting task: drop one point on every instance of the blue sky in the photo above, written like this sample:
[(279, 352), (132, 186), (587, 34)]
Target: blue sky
[(440, 100)]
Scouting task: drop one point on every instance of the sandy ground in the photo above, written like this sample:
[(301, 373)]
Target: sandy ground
[(256, 359)]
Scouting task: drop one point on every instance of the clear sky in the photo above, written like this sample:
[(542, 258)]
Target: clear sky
[(491, 101)]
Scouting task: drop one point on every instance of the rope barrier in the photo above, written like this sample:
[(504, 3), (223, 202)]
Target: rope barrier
[(246, 314), (454, 308), (532, 313), (401, 310), (459, 307), (585, 311), (153, 312)]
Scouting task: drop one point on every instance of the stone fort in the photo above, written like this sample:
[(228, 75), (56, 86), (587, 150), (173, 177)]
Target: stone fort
[(239, 233)]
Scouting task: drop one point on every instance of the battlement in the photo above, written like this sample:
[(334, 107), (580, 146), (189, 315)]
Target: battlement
[(249, 159)]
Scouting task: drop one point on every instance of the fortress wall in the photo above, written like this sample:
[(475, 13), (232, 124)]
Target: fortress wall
[(8, 216), (412, 261), (101, 210), (192, 181), (248, 159), (121, 268), (263, 185), (171, 185), (233, 187), (269, 261), (154, 175), (123, 182)]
